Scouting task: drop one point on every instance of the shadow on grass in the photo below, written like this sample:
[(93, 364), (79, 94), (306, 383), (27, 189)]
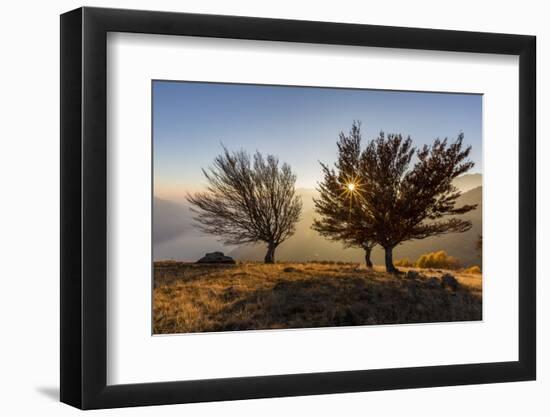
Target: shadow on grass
[(326, 301)]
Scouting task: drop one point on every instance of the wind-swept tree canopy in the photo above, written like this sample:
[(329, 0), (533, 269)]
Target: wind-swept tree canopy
[(248, 200), (414, 202), (342, 215), (393, 198)]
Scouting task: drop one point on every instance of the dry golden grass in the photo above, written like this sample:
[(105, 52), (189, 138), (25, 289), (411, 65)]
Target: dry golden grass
[(472, 270), (252, 296)]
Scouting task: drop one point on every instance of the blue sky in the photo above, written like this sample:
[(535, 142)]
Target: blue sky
[(298, 124)]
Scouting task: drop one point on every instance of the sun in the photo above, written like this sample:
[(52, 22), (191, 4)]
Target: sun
[(351, 186)]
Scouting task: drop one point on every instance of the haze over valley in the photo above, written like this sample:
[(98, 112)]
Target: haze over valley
[(175, 237)]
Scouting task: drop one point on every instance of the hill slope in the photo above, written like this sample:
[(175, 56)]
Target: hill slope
[(468, 182), (214, 298)]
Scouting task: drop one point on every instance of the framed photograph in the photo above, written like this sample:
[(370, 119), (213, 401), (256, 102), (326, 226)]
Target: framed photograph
[(258, 208)]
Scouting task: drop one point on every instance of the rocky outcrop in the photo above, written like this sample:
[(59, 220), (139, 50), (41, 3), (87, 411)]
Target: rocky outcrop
[(216, 258), (414, 275), (448, 281)]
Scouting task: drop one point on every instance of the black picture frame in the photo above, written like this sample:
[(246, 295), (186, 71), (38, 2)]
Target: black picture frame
[(84, 207)]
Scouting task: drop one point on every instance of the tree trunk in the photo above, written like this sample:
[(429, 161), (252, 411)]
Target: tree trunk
[(389, 260), (368, 250), (270, 255)]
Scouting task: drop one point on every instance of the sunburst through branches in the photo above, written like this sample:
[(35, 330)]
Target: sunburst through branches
[(351, 189)]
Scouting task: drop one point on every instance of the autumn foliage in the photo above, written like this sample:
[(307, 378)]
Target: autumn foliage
[(438, 259)]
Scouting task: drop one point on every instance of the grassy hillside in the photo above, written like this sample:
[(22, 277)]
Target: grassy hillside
[(250, 296)]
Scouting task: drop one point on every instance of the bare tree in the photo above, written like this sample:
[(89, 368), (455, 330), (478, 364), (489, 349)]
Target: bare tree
[(342, 215), (248, 200), (415, 202)]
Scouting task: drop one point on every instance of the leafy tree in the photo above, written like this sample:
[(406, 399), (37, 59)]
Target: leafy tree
[(413, 200), (248, 200), (378, 195), (342, 214)]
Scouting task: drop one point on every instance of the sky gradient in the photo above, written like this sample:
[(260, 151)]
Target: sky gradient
[(300, 125)]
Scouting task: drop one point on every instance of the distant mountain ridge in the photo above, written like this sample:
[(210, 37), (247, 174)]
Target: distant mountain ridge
[(468, 182)]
